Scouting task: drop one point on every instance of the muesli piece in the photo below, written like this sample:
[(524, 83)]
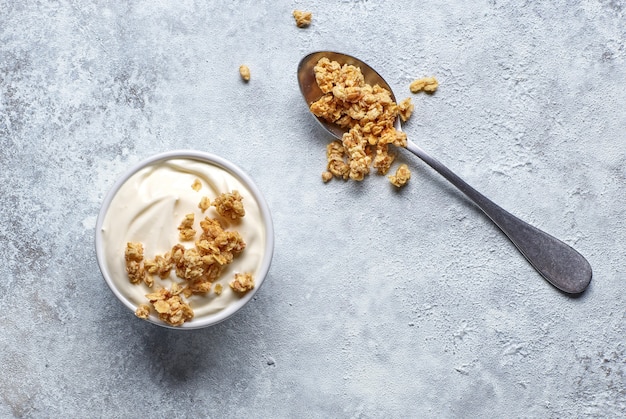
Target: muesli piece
[(405, 109), (402, 176), (185, 229), (200, 285), (242, 283), (357, 147), (244, 72), (160, 265), (303, 18), (169, 305), (135, 271), (383, 159), (133, 256), (191, 266), (204, 204), (229, 205), (143, 311), (196, 185), (336, 158), (426, 84), (133, 252)]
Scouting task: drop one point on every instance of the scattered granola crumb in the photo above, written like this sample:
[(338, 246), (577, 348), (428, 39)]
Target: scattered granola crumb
[(402, 176), (426, 84), (229, 205), (143, 311), (205, 203), (244, 71), (369, 113), (243, 282), (303, 19), (197, 185), (218, 289), (326, 176), (185, 229), (405, 109)]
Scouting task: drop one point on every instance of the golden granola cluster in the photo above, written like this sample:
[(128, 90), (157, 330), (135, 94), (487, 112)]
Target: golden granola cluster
[(229, 205), (244, 72), (303, 19), (205, 203), (402, 176), (426, 84), (368, 112), (185, 229), (243, 282), (198, 267), (202, 264), (169, 305), (134, 268)]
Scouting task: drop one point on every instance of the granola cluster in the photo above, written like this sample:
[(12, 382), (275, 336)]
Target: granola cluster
[(198, 267), (205, 204), (243, 282), (426, 84), (229, 205), (185, 229), (303, 19), (368, 112), (169, 305), (402, 176)]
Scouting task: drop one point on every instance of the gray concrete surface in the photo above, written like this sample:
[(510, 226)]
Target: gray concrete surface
[(379, 303)]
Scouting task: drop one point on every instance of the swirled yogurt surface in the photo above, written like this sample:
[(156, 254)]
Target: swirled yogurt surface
[(148, 208)]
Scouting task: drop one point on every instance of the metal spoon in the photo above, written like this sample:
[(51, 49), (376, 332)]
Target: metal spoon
[(556, 261)]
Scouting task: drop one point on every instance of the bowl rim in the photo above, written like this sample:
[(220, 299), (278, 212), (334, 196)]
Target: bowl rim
[(234, 170)]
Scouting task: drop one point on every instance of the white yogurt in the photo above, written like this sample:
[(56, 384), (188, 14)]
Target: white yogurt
[(148, 208)]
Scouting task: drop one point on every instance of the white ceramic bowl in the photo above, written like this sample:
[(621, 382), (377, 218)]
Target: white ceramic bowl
[(128, 196)]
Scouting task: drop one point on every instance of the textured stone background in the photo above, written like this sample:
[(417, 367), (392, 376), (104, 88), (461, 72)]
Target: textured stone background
[(379, 303)]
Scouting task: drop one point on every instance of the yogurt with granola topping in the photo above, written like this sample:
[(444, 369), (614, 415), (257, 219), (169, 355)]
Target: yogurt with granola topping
[(148, 208)]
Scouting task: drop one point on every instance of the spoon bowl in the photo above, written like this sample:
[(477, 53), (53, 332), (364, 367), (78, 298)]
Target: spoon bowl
[(311, 91), (556, 261)]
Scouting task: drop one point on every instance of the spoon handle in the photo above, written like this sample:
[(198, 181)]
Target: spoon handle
[(556, 261)]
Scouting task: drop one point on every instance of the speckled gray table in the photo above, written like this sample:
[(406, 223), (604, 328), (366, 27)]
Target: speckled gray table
[(379, 303)]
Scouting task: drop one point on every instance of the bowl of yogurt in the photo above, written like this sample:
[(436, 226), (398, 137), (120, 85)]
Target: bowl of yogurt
[(148, 264)]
